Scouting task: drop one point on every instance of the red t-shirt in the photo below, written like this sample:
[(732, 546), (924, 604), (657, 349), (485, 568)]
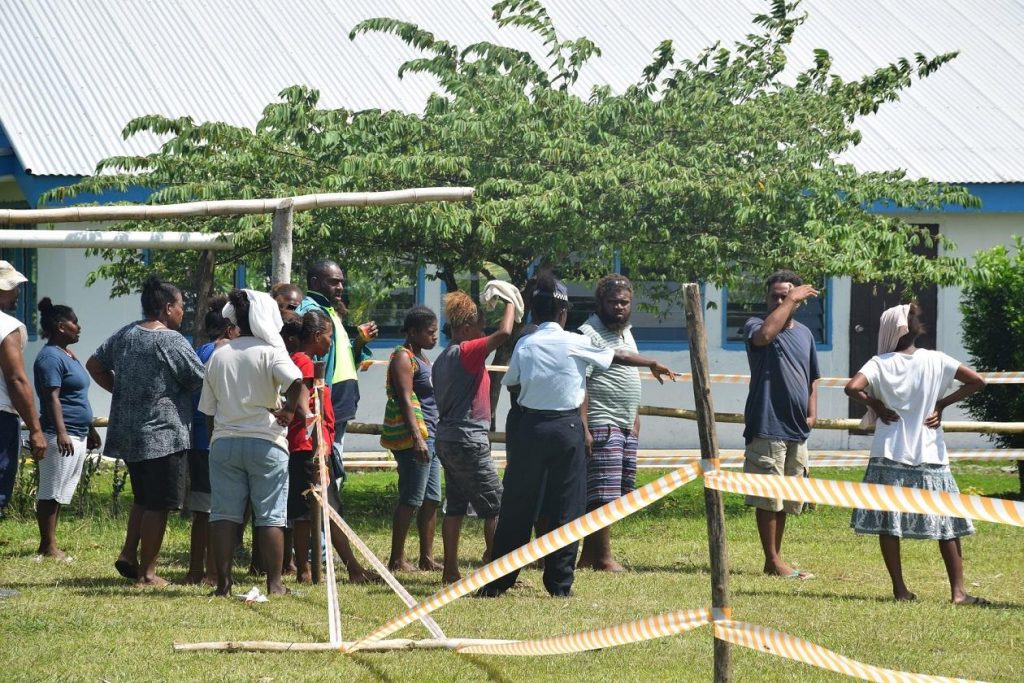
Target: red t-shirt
[(463, 391), (298, 437)]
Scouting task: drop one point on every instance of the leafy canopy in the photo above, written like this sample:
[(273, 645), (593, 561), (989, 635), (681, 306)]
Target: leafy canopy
[(703, 169)]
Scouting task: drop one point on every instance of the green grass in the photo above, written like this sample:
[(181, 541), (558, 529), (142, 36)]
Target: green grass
[(80, 621)]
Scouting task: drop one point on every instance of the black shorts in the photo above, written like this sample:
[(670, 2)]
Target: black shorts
[(199, 470), (301, 475), (469, 478), (158, 484)]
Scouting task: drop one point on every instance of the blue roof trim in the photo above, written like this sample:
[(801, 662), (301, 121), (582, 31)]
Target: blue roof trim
[(995, 198), (34, 186)]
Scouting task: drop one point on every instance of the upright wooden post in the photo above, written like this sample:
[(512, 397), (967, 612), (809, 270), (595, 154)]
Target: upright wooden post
[(316, 514), (281, 243), (713, 509), (203, 284)]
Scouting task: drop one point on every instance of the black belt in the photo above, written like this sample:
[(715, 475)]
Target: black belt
[(551, 413)]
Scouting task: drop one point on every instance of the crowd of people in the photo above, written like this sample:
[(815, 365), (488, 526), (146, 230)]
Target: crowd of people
[(228, 423)]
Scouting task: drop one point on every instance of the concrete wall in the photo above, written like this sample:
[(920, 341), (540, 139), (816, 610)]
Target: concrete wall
[(62, 276)]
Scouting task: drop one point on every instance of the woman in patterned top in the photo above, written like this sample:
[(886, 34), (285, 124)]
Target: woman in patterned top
[(151, 371)]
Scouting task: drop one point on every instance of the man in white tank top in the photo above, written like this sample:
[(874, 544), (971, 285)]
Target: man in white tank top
[(15, 391)]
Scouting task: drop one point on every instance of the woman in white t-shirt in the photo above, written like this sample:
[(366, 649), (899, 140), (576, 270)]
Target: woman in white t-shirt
[(904, 386), (248, 443)]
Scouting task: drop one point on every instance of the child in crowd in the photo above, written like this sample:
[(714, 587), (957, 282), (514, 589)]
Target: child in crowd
[(306, 336)]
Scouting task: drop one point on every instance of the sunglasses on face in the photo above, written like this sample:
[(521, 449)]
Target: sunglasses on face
[(292, 307)]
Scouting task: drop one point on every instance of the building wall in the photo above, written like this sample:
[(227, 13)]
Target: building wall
[(62, 277), (63, 273)]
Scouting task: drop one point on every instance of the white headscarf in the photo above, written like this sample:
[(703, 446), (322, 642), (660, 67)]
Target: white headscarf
[(264, 317), (891, 328)]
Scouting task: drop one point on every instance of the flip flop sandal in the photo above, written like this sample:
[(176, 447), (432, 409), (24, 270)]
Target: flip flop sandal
[(799, 575)]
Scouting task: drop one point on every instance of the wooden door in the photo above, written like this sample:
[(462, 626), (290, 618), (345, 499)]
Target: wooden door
[(868, 300)]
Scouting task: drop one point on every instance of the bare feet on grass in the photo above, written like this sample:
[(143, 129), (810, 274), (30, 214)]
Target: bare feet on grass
[(128, 567), (199, 579), (402, 565), (152, 582), (277, 589), (429, 564), (966, 599), (448, 578), (600, 565), (52, 553), (363, 576), (904, 596)]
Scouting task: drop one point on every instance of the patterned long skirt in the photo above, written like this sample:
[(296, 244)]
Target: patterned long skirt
[(910, 524)]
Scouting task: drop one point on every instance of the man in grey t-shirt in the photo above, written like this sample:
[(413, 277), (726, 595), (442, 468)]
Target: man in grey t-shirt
[(781, 407), (610, 418)]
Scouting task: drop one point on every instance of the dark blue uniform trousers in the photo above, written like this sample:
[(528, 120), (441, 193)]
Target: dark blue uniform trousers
[(548, 446)]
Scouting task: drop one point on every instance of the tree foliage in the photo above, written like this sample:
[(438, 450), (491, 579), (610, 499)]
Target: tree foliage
[(704, 168), (993, 310)]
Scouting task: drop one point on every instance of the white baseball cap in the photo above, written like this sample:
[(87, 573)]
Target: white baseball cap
[(10, 277)]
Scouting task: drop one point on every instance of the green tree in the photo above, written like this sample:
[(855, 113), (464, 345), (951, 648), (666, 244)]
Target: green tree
[(705, 168), (993, 309)]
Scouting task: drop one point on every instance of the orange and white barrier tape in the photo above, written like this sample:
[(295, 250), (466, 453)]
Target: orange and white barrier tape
[(869, 496), (379, 567), (1008, 377), (648, 628), (800, 650), (548, 543)]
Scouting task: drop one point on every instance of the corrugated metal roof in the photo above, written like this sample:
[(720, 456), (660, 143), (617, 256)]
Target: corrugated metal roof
[(74, 72)]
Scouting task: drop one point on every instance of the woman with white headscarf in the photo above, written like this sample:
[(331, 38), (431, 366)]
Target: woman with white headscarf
[(248, 444), (903, 387)]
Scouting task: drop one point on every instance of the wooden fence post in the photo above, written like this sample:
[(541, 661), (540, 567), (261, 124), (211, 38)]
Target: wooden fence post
[(713, 509), (281, 243)]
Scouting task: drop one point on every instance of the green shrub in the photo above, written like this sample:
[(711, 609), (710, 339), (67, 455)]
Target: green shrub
[(993, 310)]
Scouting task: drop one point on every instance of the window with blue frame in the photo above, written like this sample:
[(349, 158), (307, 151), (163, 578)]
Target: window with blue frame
[(24, 260), (658, 318), (389, 310), (747, 300)]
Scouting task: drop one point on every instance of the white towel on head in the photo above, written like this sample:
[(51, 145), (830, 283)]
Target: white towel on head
[(505, 291), (264, 317), (891, 327)]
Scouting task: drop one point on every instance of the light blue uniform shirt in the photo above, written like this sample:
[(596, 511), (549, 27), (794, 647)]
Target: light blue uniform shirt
[(550, 366)]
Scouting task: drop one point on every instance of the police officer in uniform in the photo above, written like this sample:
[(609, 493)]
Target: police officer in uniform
[(550, 367)]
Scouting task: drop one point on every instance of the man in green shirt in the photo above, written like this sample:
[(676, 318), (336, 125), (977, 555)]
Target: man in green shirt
[(325, 283)]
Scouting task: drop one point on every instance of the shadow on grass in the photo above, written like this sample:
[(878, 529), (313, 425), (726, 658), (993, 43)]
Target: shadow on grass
[(489, 667), (366, 663), (79, 583), (853, 597)]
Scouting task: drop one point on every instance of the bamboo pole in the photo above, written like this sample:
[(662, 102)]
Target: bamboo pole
[(281, 243), (713, 508), (379, 646), (322, 485), (112, 239), (315, 513), (843, 423), (231, 207)]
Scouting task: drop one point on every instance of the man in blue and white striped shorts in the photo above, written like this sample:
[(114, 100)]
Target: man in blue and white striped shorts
[(610, 414)]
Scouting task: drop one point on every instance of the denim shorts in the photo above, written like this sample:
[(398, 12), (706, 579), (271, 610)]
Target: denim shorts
[(418, 481), (244, 468)]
